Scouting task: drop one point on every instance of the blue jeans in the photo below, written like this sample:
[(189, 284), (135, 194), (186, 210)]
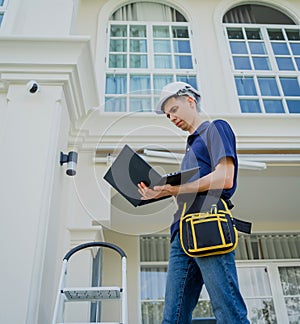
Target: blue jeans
[(185, 279)]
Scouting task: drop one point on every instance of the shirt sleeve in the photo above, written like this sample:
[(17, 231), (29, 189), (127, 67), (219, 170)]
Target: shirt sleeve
[(221, 142)]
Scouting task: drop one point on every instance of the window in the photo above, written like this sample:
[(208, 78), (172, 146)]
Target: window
[(266, 263), (2, 10), (145, 55), (154, 252), (290, 284), (265, 59)]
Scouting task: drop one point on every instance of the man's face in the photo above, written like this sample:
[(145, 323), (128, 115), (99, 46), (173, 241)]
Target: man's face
[(180, 111)]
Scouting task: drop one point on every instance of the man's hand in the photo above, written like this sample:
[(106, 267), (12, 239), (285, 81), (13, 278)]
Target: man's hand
[(155, 192)]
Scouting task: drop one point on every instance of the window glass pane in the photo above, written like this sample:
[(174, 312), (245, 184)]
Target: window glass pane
[(183, 62), (138, 61), (238, 48), (250, 106), (285, 63), (152, 282), (255, 288), (138, 31), (241, 63), (259, 279), (118, 31), (182, 46), (275, 34), (290, 282), (140, 104), (116, 84), (188, 79), (293, 106), (245, 86), (117, 61), (295, 48), (1, 2), (261, 63), (253, 34), (1, 18), (118, 45), (138, 45), (139, 83), (280, 48), (293, 34), (163, 61), (115, 104), (162, 46), (290, 86), (273, 106), (257, 48), (268, 86), (298, 62), (161, 31), (180, 32), (235, 33), (159, 81)]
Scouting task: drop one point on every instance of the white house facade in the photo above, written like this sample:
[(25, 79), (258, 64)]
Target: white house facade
[(84, 76)]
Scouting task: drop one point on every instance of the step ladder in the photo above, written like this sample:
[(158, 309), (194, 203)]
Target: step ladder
[(91, 294)]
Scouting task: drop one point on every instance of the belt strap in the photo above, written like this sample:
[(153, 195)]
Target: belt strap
[(242, 226)]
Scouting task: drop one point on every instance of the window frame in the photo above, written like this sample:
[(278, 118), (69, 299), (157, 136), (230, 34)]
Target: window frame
[(272, 267), (274, 70), (174, 73)]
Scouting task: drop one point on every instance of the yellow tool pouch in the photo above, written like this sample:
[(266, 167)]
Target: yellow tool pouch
[(208, 233)]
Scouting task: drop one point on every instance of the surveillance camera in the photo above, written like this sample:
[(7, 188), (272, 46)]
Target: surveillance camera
[(33, 87), (72, 163), (71, 160)]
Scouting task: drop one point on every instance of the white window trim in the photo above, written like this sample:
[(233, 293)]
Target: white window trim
[(219, 13), (102, 39), (150, 70), (272, 267), (274, 72)]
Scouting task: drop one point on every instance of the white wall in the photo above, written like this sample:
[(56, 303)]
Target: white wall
[(39, 18), (29, 168)]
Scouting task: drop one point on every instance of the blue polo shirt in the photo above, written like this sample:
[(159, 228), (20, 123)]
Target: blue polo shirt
[(211, 142)]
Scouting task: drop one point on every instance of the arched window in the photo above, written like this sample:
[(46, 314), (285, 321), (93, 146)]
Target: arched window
[(256, 14), (264, 45), (149, 46)]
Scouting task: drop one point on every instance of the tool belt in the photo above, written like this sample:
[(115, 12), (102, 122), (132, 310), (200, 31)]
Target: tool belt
[(210, 233)]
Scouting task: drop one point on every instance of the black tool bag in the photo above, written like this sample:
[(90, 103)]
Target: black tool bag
[(210, 233)]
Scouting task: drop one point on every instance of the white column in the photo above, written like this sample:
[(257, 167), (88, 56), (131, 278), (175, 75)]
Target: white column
[(34, 129)]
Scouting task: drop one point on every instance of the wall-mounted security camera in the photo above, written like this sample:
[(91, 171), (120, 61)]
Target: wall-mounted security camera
[(71, 160), (33, 87)]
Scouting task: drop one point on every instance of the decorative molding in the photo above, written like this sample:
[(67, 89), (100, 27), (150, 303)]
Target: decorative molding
[(52, 61), (109, 131), (85, 235)]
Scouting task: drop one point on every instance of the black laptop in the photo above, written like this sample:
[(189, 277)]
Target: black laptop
[(129, 169)]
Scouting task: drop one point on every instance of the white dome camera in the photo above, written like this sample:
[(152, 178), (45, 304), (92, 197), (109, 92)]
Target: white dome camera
[(33, 87)]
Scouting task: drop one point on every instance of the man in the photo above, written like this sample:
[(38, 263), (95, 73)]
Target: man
[(212, 147)]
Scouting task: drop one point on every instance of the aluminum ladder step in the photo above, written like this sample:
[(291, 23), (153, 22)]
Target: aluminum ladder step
[(91, 293)]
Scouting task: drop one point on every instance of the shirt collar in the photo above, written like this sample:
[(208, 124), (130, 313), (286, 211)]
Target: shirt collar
[(202, 127)]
